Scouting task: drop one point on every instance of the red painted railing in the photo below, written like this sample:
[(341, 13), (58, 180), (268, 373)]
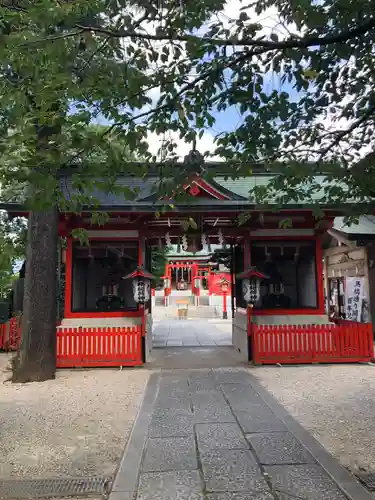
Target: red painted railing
[(312, 343), (3, 338), (90, 347), (10, 335), (85, 347)]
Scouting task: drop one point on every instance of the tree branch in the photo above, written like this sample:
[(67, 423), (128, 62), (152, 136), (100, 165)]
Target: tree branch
[(190, 86), (343, 133), (52, 38), (290, 43)]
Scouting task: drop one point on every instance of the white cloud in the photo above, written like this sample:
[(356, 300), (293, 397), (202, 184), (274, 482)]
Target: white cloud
[(205, 144)]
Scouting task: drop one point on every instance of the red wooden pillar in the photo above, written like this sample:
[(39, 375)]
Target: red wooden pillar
[(68, 277), (209, 280), (194, 272), (225, 312), (319, 274)]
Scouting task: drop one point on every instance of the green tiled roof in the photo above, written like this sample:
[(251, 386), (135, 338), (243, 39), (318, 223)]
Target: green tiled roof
[(238, 191), (244, 185)]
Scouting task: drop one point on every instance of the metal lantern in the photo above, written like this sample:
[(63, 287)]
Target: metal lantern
[(141, 284), (251, 279)]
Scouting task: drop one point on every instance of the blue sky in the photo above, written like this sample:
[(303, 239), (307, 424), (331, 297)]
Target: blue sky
[(231, 118)]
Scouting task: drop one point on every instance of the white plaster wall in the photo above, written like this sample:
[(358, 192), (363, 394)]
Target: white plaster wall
[(217, 302), (99, 322), (291, 319), (148, 337), (239, 334)]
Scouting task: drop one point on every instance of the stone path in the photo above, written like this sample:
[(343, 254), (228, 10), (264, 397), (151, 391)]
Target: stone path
[(190, 333), (218, 435)]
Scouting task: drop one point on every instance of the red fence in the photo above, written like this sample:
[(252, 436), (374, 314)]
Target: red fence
[(85, 347), (312, 343), (89, 347), (10, 335)]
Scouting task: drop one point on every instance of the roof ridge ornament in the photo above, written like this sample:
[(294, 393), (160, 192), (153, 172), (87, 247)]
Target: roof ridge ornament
[(194, 160)]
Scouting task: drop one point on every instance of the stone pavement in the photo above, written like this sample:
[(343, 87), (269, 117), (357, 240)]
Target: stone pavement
[(192, 333), (218, 435)]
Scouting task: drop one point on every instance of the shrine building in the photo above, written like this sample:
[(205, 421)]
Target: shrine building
[(282, 262)]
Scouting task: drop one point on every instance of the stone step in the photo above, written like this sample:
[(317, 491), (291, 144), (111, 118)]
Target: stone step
[(193, 312)]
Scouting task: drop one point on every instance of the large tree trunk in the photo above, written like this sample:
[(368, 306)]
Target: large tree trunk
[(36, 360)]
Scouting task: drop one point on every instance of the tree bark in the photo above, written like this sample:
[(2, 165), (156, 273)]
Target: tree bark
[(36, 360)]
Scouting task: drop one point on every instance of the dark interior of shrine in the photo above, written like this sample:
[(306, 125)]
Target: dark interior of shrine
[(290, 267), (97, 273)]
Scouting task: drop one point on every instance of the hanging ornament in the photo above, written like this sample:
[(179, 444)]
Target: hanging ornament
[(296, 255), (184, 243), (204, 241), (221, 237), (168, 241), (178, 245), (268, 255), (91, 257), (209, 249), (160, 244)]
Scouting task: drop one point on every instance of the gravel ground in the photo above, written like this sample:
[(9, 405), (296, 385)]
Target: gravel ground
[(76, 425), (335, 403)]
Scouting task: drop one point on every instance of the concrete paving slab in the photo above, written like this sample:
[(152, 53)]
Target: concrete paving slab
[(170, 454), (178, 485), (173, 402), (191, 333), (172, 425), (279, 448), (198, 385), (200, 357), (303, 481), (224, 441), (211, 407), (241, 396), (213, 436), (171, 413), (232, 470), (235, 495), (259, 419)]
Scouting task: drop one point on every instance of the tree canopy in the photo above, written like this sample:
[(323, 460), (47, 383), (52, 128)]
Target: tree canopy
[(12, 249), (298, 74), (159, 258), (291, 84)]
